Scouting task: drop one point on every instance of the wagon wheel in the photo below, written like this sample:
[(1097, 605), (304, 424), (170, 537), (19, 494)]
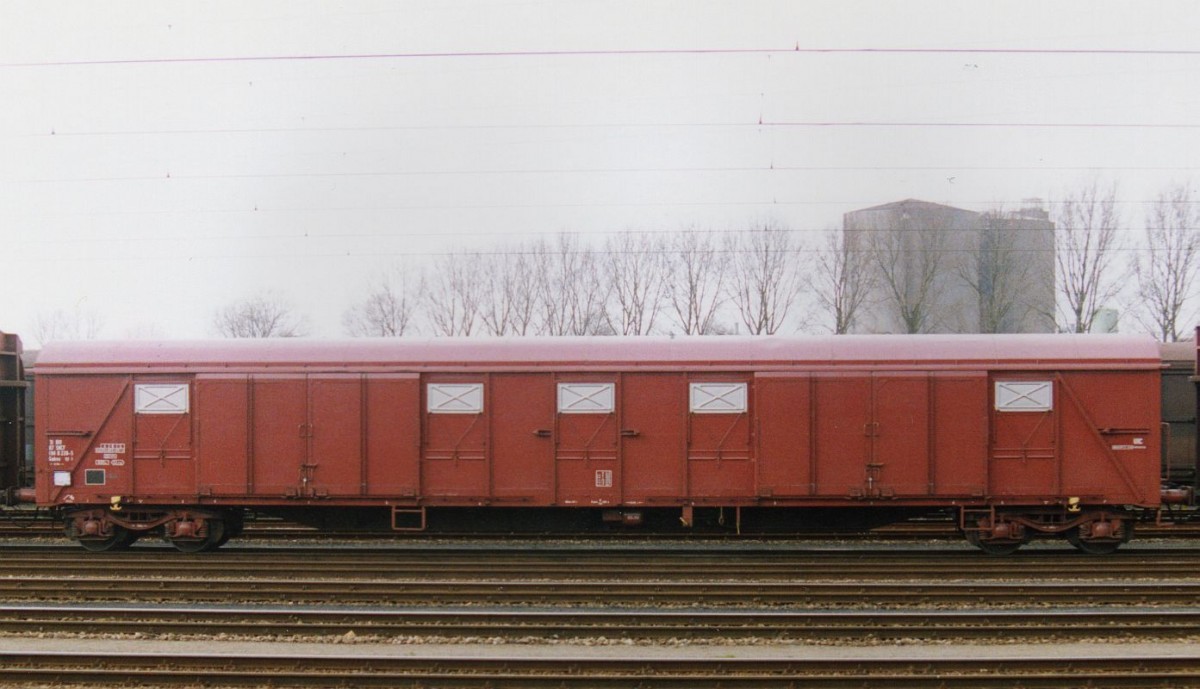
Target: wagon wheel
[(993, 547), (120, 539), (214, 539), (1093, 547), (234, 523), (128, 538)]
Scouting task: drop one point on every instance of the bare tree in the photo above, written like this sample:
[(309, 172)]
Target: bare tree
[(77, 324), (389, 308), (571, 293), (699, 274), (908, 264), (454, 293), (998, 273), (1088, 239), (636, 268), (764, 279), (509, 303), (264, 315), (1166, 271), (842, 278)]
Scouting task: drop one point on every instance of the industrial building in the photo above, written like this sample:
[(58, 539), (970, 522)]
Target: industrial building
[(933, 268)]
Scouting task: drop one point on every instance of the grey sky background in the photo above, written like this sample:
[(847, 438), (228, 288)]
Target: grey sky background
[(158, 160)]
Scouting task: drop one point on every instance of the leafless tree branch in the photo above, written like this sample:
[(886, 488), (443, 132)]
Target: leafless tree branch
[(699, 274), (389, 308), (509, 305), (1166, 272), (764, 280), (77, 324), (1088, 240), (636, 268), (454, 292), (570, 291), (842, 278), (908, 261), (264, 315), (998, 273)]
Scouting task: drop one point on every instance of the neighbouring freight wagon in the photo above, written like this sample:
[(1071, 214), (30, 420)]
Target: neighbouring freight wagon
[(12, 413), (1017, 435), (1179, 412)]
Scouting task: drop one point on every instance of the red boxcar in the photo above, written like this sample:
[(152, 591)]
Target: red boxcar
[(1018, 434)]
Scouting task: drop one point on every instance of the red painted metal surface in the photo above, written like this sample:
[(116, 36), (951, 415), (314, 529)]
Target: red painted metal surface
[(393, 437), (653, 420), (775, 421), (720, 446), (843, 417), (227, 402), (960, 445), (522, 468), (785, 466), (455, 456), (587, 444)]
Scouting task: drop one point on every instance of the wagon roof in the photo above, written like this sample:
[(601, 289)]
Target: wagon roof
[(1178, 351), (923, 351)]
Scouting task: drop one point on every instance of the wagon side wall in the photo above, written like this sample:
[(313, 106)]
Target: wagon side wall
[(831, 435)]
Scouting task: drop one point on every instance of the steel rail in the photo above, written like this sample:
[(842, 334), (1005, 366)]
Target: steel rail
[(1075, 571), (646, 564), (593, 593), (519, 551), (268, 530), (851, 626), (365, 670)]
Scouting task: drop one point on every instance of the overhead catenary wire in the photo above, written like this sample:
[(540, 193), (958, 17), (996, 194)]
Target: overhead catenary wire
[(554, 171), (764, 124), (464, 253), (239, 209), (796, 49), (682, 51), (531, 235)]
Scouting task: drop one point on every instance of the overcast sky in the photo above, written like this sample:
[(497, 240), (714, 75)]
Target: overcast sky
[(160, 159)]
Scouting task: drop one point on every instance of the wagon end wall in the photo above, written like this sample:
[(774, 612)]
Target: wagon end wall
[(12, 415)]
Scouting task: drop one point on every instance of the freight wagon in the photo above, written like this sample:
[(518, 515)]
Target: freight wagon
[(1179, 407), (1017, 436), (12, 413)]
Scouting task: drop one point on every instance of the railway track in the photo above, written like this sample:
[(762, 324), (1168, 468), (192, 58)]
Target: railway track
[(19, 526), (568, 670), (574, 593), (800, 607), (509, 625), (589, 563), (590, 577)]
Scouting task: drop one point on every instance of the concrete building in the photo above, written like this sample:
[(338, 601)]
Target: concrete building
[(940, 269)]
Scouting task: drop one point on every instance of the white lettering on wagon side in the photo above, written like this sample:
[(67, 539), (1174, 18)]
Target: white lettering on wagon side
[(1138, 444), (110, 451), (59, 453)]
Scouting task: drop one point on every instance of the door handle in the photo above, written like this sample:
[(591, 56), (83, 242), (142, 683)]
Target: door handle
[(542, 433), (629, 433)]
